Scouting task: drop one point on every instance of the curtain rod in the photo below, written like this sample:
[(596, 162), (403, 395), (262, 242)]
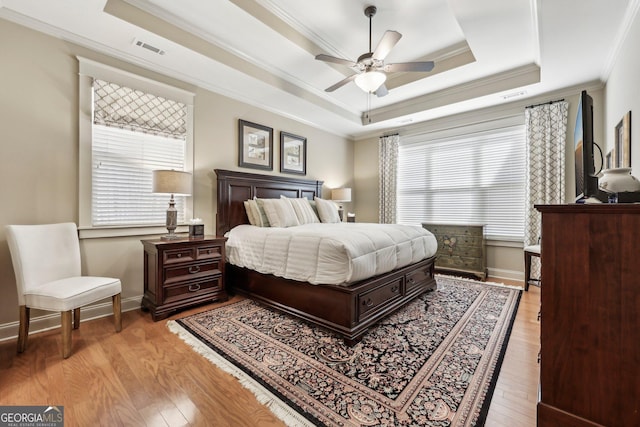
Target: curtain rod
[(390, 134), (545, 103)]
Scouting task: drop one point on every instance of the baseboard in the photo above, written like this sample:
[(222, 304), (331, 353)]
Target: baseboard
[(51, 320), (499, 273)]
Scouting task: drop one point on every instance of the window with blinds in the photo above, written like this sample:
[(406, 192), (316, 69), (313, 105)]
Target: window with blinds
[(473, 178), (133, 133)]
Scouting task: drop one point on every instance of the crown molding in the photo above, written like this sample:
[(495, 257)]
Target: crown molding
[(627, 22)]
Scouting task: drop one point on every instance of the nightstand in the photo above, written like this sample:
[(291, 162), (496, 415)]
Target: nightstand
[(182, 273)]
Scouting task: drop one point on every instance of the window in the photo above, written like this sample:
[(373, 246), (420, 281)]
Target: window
[(476, 177), (129, 126)]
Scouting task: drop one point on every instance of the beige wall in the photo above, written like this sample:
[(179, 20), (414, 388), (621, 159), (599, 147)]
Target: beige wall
[(39, 152), (623, 93)]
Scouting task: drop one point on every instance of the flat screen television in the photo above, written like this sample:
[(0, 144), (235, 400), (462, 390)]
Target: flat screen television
[(584, 146)]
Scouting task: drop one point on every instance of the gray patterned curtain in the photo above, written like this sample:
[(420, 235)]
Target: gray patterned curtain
[(388, 176), (546, 132)]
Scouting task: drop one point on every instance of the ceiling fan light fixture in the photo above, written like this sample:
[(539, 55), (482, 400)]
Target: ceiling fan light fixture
[(370, 80)]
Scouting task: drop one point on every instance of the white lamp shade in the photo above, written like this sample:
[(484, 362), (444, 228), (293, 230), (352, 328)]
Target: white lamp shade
[(370, 80), (173, 182), (341, 195)]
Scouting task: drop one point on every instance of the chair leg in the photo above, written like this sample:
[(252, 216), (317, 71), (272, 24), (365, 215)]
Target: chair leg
[(66, 333), (527, 270), (23, 329), (76, 318), (117, 311)]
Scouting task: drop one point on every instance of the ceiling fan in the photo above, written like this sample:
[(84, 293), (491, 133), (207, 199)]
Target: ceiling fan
[(370, 67)]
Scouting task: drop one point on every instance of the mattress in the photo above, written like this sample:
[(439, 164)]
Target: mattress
[(336, 254)]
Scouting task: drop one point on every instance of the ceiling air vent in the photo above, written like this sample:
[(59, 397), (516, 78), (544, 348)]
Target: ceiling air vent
[(147, 46)]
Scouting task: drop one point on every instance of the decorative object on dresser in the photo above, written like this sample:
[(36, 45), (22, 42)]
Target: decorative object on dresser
[(432, 363), (255, 145), (293, 153), (347, 310), (590, 313), (196, 229), (182, 273), (47, 264), (172, 182), (341, 195), (461, 248)]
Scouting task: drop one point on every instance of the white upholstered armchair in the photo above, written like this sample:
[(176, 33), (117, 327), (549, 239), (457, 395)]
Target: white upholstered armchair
[(46, 262)]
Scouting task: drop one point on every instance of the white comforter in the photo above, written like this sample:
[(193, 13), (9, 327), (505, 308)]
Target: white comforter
[(328, 253)]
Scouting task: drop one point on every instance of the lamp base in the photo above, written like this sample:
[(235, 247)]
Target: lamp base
[(171, 237)]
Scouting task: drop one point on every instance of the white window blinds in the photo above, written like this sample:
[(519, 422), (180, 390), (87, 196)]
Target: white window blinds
[(473, 178), (133, 133)]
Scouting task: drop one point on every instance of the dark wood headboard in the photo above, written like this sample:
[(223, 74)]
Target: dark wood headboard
[(236, 187)]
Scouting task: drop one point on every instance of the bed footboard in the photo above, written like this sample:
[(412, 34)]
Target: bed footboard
[(346, 310)]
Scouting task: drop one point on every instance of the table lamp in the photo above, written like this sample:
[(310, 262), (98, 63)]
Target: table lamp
[(172, 182), (341, 195)]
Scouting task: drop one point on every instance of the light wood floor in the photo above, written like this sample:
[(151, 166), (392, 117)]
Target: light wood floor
[(145, 375)]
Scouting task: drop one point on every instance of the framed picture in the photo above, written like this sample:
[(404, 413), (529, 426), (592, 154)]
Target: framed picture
[(255, 146), (622, 145), (293, 153)]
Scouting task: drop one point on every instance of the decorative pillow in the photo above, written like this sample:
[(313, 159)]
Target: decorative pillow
[(258, 213), (327, 210), (304, 211), (250, 214), (280, 212)]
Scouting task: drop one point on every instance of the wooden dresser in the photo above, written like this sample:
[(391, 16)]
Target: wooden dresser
[(590, 315), (461, 248), (181, 273)]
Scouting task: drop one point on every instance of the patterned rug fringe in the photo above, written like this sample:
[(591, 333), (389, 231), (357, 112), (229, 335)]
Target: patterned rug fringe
[(277, 406)]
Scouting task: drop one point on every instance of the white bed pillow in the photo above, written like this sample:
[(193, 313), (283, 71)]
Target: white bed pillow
[(304, 211), (327, 211), (280, 212), (258, 213), (250, 213)]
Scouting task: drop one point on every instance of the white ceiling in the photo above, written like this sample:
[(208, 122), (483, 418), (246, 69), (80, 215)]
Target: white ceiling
[(262, 52)]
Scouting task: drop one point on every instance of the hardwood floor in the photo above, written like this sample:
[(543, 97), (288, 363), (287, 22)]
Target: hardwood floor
[(145, 375)]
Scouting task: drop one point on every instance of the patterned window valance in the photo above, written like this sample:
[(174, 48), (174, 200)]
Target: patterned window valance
[(135, 110)]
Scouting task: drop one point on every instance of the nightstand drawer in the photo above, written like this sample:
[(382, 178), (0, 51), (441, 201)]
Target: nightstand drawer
[(179, 255), (179, 273), (209, 252), (194, 289)]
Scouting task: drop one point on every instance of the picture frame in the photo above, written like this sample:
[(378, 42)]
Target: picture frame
[(255, 145), (293, 153), (622, 146)]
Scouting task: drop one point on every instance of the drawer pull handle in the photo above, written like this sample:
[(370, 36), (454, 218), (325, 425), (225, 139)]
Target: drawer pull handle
[(194, 269), (412, 281), (368, 302), (194, 288), (179, 255), (208, 251), (394, 289)]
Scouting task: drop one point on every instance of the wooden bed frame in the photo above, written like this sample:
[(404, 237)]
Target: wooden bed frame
[(347, 310)]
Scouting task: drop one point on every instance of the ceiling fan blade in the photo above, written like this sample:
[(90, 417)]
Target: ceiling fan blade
[(327, 58), (409, 66), (340, 83), (388, 41), (382, 91)]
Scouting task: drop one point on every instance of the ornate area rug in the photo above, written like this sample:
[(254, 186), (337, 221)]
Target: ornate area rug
[(433, 363)]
